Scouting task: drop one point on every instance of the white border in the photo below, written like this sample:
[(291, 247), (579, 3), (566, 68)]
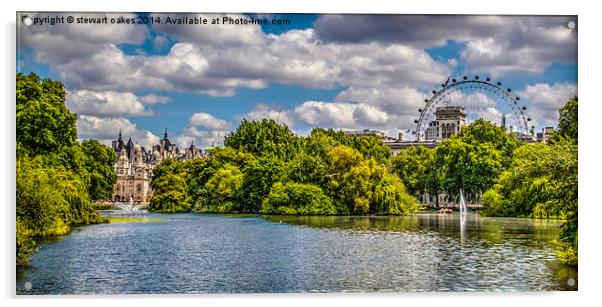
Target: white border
[(589, 81)]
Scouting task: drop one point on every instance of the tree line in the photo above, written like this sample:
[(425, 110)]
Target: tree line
[(265, 168), (56, 176)]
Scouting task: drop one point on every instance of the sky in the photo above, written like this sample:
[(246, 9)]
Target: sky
[(331, 71)]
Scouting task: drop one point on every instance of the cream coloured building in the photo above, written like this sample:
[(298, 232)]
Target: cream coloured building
[(134, 167)]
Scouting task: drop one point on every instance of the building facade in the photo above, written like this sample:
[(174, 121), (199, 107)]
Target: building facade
[(448, 121), (134, 166)]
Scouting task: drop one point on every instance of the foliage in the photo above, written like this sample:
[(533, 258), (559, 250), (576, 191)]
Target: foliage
[(568, 120), (261, 137), (44, 124), (260, 174), (297, 198), (99, 164), (472, 168), (169, 188), (365, 186), (221, 190), (414, 166), (541, 182), (55, 176), (263, 163)]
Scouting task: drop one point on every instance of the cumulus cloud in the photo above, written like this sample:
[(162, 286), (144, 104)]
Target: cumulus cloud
[(217, 60), (60, 43), (545, 100), (107, 130), (154, 99), (261, 111), (493, 44), (208, 121), (105, 103), (204, 130)]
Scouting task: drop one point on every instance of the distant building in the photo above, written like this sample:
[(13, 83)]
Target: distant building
[(448, 121), (365, 132), (134, 167), (545, 134)]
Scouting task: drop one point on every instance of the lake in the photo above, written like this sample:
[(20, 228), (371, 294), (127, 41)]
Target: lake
[(199, 253)]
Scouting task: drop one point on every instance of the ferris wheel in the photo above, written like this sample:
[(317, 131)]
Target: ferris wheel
[(479, 98)]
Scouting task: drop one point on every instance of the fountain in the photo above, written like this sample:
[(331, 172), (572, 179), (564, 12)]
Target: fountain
[(129, 207), (463, 209)]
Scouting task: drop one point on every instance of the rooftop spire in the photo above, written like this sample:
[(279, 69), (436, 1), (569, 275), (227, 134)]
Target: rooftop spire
[(119, 134), (165, 133)]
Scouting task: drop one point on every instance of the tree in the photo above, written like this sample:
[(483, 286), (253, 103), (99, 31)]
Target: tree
[(221, 190), (170, 187), (297, 198), (472, 168), (568, 120), (99, 164), (365, 186), (44, 124), (51, 179), (482, 132), (260, 173), (413, 166), (263, 137), (169, 194)]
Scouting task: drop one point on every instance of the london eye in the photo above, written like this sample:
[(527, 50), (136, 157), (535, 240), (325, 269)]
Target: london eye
[(473, 98)]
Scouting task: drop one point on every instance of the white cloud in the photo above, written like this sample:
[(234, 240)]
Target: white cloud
[(217, 61), (63, 42), (545, 99), (326, 114), (154, 99), (494, 44), (208, 121), (369, 115), (105, 103), (107, 130), (261, 111)]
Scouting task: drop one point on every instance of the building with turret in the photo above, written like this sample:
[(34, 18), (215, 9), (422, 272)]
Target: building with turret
[(134, 166)]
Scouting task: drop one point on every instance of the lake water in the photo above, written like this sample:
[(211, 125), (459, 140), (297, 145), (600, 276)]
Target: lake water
[(196, 253)]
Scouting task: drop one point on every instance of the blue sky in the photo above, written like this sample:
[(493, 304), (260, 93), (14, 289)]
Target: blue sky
[(331, 71)]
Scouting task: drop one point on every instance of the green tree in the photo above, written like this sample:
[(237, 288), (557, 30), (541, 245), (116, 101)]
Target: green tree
[(365, 185), (568, 120), (169, 194), (170, 187), (472, 168), (221, 190), (482, 132), (260, 173), (99, 164), (52, 181), (413, 166), (44, 124), (263, 137), (297, 198)]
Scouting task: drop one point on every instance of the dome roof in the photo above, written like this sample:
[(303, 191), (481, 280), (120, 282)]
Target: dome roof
[(122, 155), (137, 148)]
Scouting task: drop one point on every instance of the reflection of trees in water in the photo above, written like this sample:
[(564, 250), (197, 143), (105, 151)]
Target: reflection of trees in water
[(492, 230)]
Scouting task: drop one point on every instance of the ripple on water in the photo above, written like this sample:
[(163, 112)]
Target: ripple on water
[(193, 253)]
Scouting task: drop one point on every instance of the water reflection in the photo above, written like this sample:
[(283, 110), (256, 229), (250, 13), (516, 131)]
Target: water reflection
[(193, 253)]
